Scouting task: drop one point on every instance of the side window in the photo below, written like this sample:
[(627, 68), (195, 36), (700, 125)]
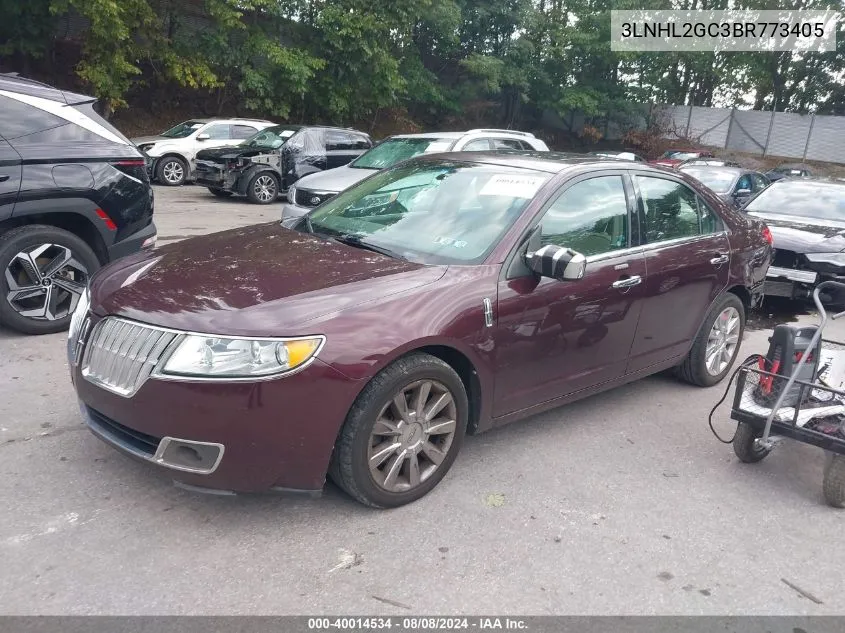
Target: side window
[(590, 217), (669, 210), (744, 182), (760, 182), (507, 143), (341, 141), (242, 131), (477, 145), (710, 222), (23, 124), (218, 131)]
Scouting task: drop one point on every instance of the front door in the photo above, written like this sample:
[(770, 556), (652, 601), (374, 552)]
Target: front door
[(558, 337), (687, 258)]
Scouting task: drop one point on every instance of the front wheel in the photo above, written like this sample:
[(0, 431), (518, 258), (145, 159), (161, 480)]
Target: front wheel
[(172, 171), (402, 434), (717, 344), (263, 188)]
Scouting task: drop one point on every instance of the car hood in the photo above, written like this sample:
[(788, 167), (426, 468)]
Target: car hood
[(231, 152), (804, 235), (262, 280), (334, 180), (138, 140)]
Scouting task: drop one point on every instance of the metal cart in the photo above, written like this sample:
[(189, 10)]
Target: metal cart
[(770, 406)]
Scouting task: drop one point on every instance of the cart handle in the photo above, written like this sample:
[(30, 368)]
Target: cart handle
[(764, 442)]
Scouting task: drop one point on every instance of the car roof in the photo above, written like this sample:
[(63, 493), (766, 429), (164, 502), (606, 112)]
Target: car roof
[(726, 168), (811, 182), (457, 135), (431, 135), (12, 82), (549, 162)]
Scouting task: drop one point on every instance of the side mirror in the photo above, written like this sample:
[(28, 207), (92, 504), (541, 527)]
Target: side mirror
[(557, 262), (742, 193), (203, 137)]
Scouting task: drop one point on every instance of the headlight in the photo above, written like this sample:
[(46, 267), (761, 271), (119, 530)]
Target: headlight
[(292, 194), (79, 315), (832, 259), (201, 356)]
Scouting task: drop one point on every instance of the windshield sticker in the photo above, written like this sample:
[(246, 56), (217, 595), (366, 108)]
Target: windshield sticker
[(437, 146), (512, 185), (448, 241), (286, 133)]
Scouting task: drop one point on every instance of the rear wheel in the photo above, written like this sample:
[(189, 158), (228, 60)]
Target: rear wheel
[(172, 171), (220, 193), (263, 188), (44, 272), (402, 434), (717, 345)]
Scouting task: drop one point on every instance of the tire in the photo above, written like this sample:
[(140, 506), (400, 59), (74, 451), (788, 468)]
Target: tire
[(350, 466), (44, 245), (744, 444), (263, 188), (172, 171), (834, 481), (220, 193), (694, 369)]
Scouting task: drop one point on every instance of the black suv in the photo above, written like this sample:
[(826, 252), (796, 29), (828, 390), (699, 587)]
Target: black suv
[(265, 165), (74, 195)]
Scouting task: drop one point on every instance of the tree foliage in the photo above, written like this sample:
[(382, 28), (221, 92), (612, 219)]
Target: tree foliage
[(346, 61)]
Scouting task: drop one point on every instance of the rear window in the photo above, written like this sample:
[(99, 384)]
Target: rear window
[(23, 124), (806, 199)]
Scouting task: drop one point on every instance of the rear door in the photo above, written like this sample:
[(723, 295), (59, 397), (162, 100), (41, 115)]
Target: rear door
[(10, 178), (687, 259)]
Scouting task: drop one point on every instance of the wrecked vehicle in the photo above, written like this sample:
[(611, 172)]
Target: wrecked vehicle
[(264, 166)]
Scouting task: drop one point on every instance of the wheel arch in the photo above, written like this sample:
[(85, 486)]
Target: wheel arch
[(744, 295), (71, 221)]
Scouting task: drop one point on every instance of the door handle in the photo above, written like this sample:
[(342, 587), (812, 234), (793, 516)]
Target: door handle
[(4, 177), (721, 259), (627, 282)]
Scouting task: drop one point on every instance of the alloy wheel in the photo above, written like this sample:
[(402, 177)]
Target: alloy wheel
[(45, 282), (173, 172), (412, 435), (723, 341), (265, 188)]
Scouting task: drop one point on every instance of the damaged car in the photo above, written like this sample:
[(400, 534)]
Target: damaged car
[(266, 165), (807, 221)]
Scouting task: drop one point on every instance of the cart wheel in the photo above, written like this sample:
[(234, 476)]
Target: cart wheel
[(744, 445), (834, 481)]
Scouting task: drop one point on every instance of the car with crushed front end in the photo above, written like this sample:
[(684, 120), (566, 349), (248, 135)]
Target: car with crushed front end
[(807, 221), (447, 295), (268, 164)]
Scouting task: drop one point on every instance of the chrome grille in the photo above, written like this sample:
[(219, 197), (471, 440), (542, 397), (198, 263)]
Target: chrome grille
[(121, 354)]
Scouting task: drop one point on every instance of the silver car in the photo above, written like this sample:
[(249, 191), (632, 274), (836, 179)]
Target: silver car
[(315, 189)]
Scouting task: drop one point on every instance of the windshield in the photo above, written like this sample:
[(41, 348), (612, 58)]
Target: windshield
[(820, 200), (183, 129), (395, 150), (718, 180), (679, 155), (274, 137), (432, 212)]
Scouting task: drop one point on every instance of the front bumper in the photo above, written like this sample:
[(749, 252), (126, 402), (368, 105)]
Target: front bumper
[(145, 238), (795, 283), (233, 437)]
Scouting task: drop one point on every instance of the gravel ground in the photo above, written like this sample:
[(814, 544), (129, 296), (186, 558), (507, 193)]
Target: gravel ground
[(623, 503)]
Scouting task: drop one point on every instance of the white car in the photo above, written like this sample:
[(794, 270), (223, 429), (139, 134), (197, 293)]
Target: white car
[(315, 189), (172, 154)]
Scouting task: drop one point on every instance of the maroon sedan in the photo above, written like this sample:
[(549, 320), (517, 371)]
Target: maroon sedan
[(448, 295)]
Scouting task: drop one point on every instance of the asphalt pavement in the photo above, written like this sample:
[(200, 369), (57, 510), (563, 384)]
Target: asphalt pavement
[(623, 503)]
